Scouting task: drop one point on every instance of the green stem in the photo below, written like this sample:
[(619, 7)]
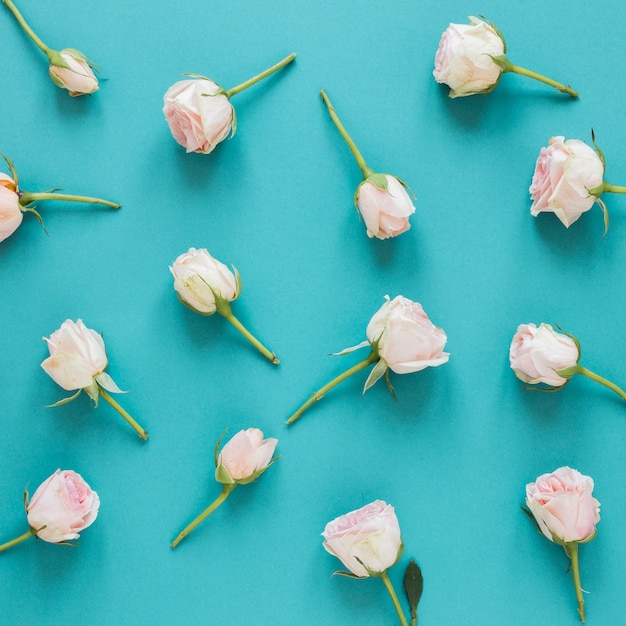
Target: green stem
[(14, 542), (603, 381), (613, 188), (571, 549), (27, 29), (142, 432), (255, 79), (26, 198), (516, 69), (394, 598), (320, 393), (365, 170), (226, 489), (224, 309)]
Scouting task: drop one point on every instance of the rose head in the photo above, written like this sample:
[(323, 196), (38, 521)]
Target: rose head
[(537, 354), (367, 541), (245, 457), (65, 505), (198, 115), (78, 78), (564, 174), (463, 60), (77, 356), (198, 278), (386, 212), (11, 214), (407, 340), (563, 506)]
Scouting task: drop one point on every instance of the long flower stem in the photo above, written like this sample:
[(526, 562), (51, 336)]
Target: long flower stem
[(14, 542), (516, 69), (365, 170), (142, 432), (603, 381), (571, 549), (225, 311), (26, 198), (226, 489), (613, 188), (320, 393), (27, 29), (255, 79), (394, 598)]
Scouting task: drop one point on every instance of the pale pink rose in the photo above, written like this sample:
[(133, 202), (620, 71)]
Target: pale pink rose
[(198, 116), (564, 174), (386, 212), (65, 505), (246, 456), (197, 275), (367, 541), (463, 60), (407, 340), (11, 214), (563, 505), (77, 355), (78, 78), (537, 354)]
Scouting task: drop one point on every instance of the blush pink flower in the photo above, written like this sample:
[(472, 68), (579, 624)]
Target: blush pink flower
[(11, 214), (62, 507), (78, 77)]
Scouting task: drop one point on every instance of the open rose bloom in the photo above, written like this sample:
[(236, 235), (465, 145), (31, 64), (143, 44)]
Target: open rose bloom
[(367, 541), (565, 173), (244, 457), (62, 507), (198, 114), (385, 212)]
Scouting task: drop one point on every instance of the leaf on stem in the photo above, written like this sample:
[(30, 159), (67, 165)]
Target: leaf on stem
[(413, 585)]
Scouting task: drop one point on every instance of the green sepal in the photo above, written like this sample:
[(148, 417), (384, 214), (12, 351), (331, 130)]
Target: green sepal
[(600, 153), (217, 447), (413, 585), (546, 389), (30, 209), (237, 281), (501, 61), (11, 167), (568, 372), (389, 385), (531, 517), (349, 575), (498, 31), (93, 391), (26, 498), (605, 214), (574, 339), (193, 75), (377, 372), (378, 180), (406, 186), (351, 349), (182, 301), (38, 530), (590, 538), (106, 382), (79, 55), (256, 474), (222, 476), (55, 58), (64, 401)]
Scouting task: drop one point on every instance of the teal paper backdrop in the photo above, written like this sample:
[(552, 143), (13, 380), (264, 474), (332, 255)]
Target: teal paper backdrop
[(453, 453)]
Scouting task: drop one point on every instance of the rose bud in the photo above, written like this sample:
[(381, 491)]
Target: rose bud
[(61, 508), (69, 68), (14, 202), (206, 286), (241, 461), (368, 542), (77, 361), (542, 355), (199, 113), (401, 338), (568, 180), (381, 199), (565, 511), (76, 76), (471, 58)]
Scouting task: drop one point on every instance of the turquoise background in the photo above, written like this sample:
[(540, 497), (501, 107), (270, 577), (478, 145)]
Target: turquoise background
[(452, 454)]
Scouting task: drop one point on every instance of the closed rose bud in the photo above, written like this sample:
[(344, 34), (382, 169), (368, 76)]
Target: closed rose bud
[(198, 278), (386, 212), (367, 541), (245, 457), (198, 115), (77, 356), (564, 174), (463, 60), (78, 78), (407, 340), (537, 354), (62, 507), (11, 215)]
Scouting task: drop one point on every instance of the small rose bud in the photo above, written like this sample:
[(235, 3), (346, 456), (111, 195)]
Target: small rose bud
[(78, 78), (245, 457)]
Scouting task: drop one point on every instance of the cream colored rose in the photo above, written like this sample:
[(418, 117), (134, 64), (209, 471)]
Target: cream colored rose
[(11, 214), (62, 507), (198, 116), (245, 457), (463, 60), (78, 78)]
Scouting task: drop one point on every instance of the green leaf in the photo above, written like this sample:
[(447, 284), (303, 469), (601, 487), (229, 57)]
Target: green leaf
[(413, 585)]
